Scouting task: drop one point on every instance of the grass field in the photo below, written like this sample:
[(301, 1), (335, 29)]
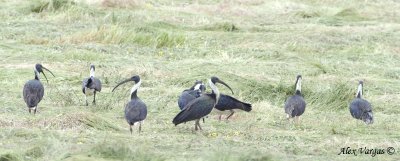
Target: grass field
[(257, 47)]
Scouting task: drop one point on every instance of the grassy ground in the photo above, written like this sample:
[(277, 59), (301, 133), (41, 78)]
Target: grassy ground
[(257, 47)]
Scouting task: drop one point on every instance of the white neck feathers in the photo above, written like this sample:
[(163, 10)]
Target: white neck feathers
[(215, 90), (136, 86), (298, 85)]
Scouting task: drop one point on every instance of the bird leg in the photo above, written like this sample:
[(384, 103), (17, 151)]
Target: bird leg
[(232, 112), (203, 120), (130, 128), (297, 118), (87, 104), (94, 98), (29, 110), (197, 124), (140, 127), (34, 111), (220, 116)]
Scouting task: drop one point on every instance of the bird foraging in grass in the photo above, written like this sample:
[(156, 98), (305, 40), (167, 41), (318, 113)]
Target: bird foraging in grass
[(295, 105), (360, 108), (201, 106), (91, 85)]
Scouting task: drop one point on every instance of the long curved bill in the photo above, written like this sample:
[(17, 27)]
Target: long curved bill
[(45, 77), (48, 71), (127, 80), (220, 81)]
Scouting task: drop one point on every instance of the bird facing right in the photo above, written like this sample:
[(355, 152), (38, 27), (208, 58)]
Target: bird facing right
[(295, 105), (33, 89), (360, 108)]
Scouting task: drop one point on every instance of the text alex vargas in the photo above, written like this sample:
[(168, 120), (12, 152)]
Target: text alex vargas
[(364, 150)]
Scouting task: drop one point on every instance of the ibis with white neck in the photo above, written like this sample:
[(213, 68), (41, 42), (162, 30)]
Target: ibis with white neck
[(190, 94), (295, 105), (135, 109), (33, 91), (91, 85), (360, 108), (201, 106)]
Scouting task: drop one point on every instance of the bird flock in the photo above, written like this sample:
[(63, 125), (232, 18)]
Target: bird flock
[(194, 103)]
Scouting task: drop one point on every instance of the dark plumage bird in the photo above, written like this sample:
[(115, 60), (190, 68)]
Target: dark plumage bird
[(33, 89), (295, 105), (191, 94), (91, 85), (135, 110), (229, 103), (360, 108), (201, 106)]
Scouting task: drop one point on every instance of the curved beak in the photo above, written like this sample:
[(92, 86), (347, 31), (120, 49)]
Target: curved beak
[(45, 77), (48, 71), (220, 81), (127, 80), (45, 74)]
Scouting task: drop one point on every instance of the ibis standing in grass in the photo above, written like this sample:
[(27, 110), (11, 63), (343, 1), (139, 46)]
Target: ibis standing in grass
[(33, 89), (135, 110), (360, 108), (295, 105), (201, 106), (91, 85), (191, 94), (228, 103)]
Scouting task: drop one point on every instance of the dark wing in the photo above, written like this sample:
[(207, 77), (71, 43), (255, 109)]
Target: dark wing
[(295, 106), (33, 93), (96, 84), (226, 102), (359, 107), (84, 82), (186, 97), (196, 109), (135, 111)]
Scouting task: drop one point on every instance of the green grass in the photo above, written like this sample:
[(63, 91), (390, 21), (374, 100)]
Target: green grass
[(257, 47)]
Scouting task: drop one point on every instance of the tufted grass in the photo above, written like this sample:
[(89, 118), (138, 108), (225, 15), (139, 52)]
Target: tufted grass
[(257, 47)]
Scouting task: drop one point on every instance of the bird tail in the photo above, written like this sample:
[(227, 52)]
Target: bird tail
[(179, 118), (246, 107)]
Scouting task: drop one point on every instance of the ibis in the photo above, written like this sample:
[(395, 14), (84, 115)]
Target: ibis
[(201, 106), (33, 89), (360, 108), (191, 94), (228, 103), (91, 85), (295, 105), (135, 109)]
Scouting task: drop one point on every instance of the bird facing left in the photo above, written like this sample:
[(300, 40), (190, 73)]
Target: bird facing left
[(135, 109), (33, 91)]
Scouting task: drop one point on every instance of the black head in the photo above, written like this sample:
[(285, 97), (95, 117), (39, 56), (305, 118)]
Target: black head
[(135, 78), (201, 85), (298, 77), (196, 83), (215, 80), (39, 69)]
